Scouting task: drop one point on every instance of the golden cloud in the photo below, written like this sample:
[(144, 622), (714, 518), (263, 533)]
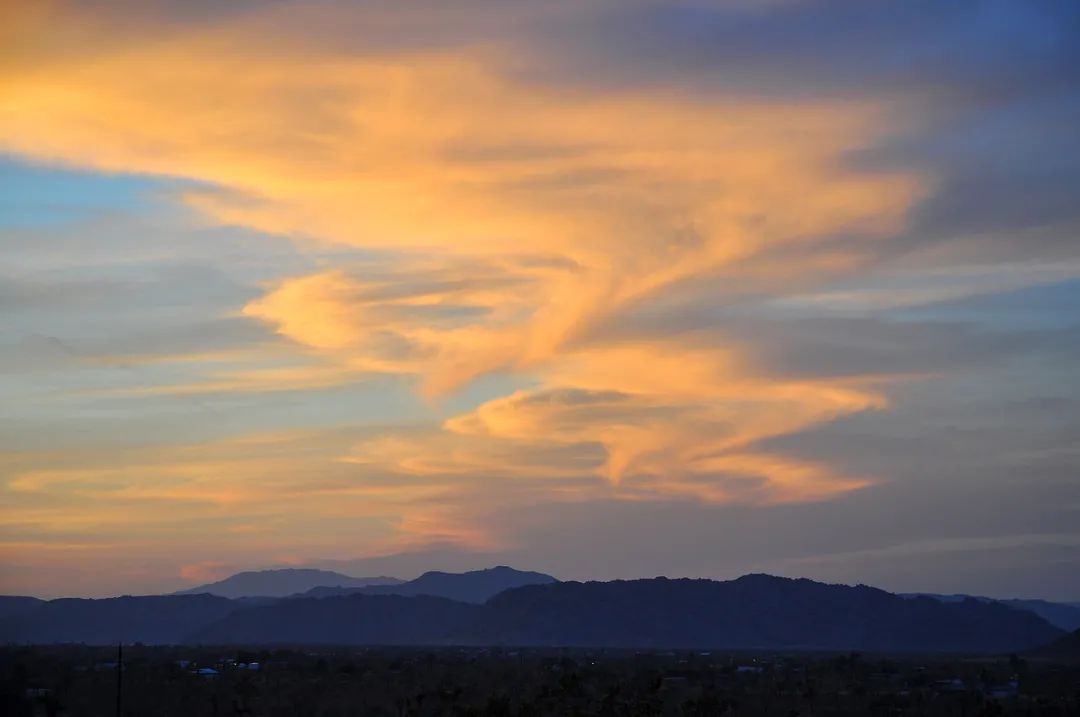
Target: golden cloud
[(276, 492), (499, 226), (654, 420)]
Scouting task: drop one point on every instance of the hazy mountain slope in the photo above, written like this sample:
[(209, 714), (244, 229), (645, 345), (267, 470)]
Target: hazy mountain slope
[(343, 620), (756, 611), (151, 619), (753, 612), (1063, 615), (1059, 614), (15, 605), (476, 586), (282, 583)]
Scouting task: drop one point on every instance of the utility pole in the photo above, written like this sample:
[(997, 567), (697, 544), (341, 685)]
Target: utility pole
[(119, 679)]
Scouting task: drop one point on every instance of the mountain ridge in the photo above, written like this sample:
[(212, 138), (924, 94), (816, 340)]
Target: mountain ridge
[(1060, 614), (151, 619), (752, 612), (282, 582), (473, 586)]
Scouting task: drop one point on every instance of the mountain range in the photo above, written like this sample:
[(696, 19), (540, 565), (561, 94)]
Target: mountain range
[(475, 586), (282, 583), (1059, 614), (502, 606), (150, 619), (755, 611)]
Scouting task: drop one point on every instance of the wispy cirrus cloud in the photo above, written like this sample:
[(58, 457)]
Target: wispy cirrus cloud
[(514, 221), (610, 246)]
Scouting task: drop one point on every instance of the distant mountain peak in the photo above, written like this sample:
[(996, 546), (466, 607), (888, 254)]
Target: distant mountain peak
[(1060, 614), (474, 586), (508, 607), (762, 578), (282, 582)]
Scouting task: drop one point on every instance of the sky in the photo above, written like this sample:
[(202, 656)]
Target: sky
[(608, 289)]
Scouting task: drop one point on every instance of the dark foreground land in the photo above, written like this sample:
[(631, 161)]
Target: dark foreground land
[(193, 682)]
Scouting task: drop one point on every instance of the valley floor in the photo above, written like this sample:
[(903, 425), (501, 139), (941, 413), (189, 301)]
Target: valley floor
[(76, 681)]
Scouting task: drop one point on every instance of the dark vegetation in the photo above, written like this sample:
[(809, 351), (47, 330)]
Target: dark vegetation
[(1066, 649), (73, 681)]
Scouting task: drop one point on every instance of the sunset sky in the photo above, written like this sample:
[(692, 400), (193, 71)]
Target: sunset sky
[(610, 288)]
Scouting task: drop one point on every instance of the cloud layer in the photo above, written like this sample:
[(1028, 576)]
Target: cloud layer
[(478, 258)]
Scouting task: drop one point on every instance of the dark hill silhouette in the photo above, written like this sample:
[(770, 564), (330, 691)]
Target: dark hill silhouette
[(15, 605), (1059, 614), (1065, 649), (755, 611), (342, 620), (475, 586), (1063, 615), (151, 619), (282, 582)]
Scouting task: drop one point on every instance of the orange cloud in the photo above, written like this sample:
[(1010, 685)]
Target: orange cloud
[(206, 571), (496, 226), (439, 154), (233, 501), (654, 420)]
